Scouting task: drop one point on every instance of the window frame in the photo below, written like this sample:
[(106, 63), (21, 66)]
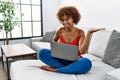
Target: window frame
[(31, 22)]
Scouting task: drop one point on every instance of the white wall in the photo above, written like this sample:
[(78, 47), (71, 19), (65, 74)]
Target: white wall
[(97, 13), (50, 8)]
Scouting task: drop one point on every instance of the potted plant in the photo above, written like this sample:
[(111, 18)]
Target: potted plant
[(8, 19)]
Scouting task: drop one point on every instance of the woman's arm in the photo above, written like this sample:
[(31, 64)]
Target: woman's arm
[(84, 42), (56, 37), (57, 34)]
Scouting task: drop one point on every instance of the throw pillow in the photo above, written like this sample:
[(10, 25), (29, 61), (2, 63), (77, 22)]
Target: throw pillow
[(112, 51), (48, 37)]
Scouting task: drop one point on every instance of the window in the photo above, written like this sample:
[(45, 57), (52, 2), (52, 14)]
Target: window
[(31, 25)]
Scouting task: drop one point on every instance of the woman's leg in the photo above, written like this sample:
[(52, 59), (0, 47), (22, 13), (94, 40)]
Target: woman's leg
[(45, 56), (81, 66)]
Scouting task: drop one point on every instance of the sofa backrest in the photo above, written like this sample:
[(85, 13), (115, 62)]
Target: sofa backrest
[(48, 36), (98, 43)]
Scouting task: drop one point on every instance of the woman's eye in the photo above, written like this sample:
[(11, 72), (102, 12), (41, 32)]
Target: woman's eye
[(67, 19), (62, 21)]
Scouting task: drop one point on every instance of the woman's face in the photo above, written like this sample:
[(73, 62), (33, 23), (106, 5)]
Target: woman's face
[(67, 22)]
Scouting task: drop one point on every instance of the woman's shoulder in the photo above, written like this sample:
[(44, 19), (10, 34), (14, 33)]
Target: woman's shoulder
[(61, 28), (79, 30), (59, 31)]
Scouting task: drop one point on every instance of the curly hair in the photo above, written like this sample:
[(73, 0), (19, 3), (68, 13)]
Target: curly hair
[(69, 11)]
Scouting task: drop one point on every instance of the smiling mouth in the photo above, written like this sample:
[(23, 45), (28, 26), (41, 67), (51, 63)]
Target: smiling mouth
[(67, 28), (66, 24)]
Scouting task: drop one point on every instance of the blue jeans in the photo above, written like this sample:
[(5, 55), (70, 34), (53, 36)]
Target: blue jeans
[(81, 66)]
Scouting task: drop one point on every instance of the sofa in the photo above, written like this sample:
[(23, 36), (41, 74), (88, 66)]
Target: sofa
[(97, 51)]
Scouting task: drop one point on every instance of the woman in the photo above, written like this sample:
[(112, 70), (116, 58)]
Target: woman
[(69, 34)]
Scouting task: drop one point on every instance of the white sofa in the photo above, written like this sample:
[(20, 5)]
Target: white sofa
[(28, 70)]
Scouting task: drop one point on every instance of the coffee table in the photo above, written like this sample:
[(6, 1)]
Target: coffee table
[(14, 51)]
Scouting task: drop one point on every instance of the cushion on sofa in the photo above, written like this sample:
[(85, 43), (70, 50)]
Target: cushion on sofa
[(48, 37), (39, 45), (111, 75), (112, 51), (98, 43), (29, 70), (91, 57)]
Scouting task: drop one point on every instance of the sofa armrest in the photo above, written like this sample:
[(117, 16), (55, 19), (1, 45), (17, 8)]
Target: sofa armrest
[(113, 75), (37, 39)]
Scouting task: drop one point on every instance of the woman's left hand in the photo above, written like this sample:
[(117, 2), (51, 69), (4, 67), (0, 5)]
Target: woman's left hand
[(95, 30)]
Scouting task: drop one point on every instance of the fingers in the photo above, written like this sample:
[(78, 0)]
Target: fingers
[(101, 28), (96, 29)]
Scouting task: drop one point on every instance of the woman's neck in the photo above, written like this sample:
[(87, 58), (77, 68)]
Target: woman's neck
[(70, 29)]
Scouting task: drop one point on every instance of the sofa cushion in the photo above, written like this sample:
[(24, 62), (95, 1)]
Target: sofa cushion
[(29, 70), (112, 51), (39, 45), (111, 75), (91, 57), (48, 37), (98, 43)]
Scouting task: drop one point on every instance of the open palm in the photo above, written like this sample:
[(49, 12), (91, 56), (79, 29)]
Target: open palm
[(95, 30)]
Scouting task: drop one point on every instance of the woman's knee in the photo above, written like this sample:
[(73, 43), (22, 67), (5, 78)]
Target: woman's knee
[(83, 65), (87, 64), (43, 53)]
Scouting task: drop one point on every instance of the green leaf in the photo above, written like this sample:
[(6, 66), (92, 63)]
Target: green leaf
[(9, 19)]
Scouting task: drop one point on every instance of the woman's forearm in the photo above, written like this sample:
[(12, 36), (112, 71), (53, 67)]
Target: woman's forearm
[(85, 44)]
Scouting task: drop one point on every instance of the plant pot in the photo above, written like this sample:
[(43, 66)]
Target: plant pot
[(6, 40)]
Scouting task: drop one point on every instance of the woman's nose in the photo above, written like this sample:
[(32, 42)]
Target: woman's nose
[(65, 22)]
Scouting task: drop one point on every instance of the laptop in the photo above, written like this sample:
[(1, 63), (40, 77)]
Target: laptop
[(64, 51)]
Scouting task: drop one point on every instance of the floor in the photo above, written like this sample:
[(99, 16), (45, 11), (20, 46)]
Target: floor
[(3, 75)]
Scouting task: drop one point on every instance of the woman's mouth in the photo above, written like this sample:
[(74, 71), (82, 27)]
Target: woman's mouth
[(66, 25)]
